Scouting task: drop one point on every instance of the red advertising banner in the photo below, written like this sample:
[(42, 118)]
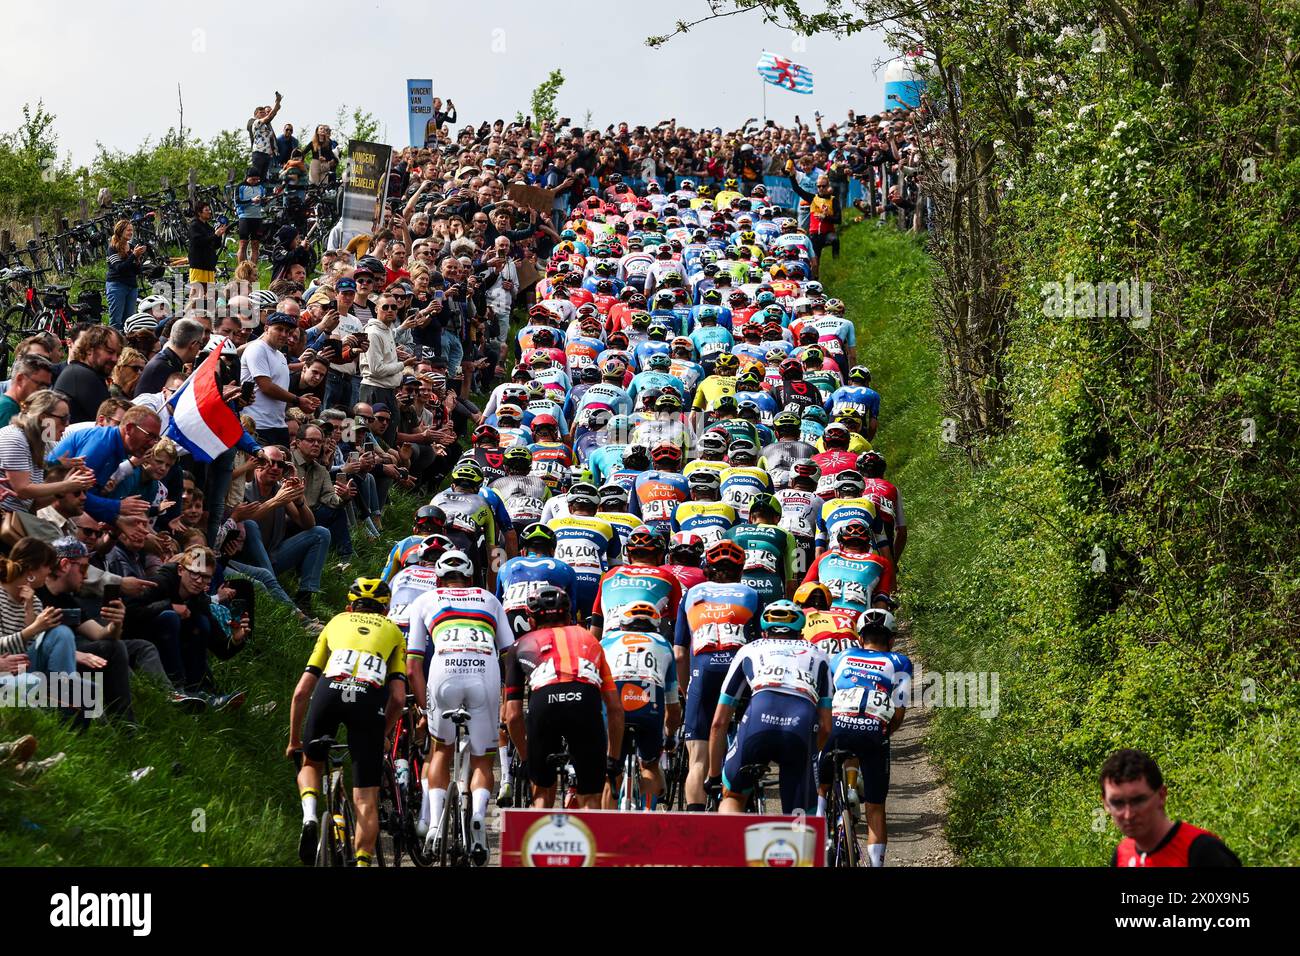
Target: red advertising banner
[(574, 838)]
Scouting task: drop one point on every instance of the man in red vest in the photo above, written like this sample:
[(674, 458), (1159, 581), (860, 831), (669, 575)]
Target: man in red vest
[(1133, 792)]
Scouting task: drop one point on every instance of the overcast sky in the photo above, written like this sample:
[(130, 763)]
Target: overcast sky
[(109, 71)]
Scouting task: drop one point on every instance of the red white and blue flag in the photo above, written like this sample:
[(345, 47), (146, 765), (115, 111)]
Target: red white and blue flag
[(200, 420), (785, 73)]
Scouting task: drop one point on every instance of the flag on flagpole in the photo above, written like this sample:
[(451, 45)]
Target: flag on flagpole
[(200, 421), (782, 72)]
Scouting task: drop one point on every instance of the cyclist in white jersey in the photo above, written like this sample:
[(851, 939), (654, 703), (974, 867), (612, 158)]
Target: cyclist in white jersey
[(461, 629)]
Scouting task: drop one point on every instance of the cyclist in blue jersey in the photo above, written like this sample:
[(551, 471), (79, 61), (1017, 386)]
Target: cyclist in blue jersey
[(789, 715), (642, 578), (641, 662), (534, 568), (714, 620), (656, 377), (858, 396), (872, 685), (850, 572)]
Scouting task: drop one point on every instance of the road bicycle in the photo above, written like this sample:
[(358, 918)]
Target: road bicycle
[(841, 818), (450, 842), (400, 795), (630, 796), (337, 820), (675, 775)]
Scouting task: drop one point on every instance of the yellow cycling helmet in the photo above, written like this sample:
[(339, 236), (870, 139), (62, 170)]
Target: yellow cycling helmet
[(369, 591), (803, 596)]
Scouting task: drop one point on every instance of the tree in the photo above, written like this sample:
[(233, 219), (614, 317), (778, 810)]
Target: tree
[(359, 124), (543, 100)]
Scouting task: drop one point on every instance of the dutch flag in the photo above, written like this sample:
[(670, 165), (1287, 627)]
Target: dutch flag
[(200, 421), (782, 72)]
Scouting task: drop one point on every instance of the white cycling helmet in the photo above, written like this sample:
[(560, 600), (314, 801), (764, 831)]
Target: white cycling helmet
[(875, 620), (454, 562), (149, 303), (264, 298)]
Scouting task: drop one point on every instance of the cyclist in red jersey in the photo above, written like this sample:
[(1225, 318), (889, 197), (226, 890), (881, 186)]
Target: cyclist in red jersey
[(685, 552), (563, 668), (888, 499), (1133, 792)]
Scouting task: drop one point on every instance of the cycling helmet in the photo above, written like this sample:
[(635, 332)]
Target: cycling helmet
[(855, 529), (666, 451), (545, 421), (835, 306), (518, 456), (454, 562), (871, 464), (726, 362), (467, 473), (849, 484), (813, 288), (588, 374), (548, 599), (712, 296), (791, 368), (764, 502), (486, 435), (748, 408), (704, 479), (644, 538), (784, 421), (815, 413), (836, 435), (584, 493), (613, 497), (713, 442), (805, 468), (813, 594), (682, 343), (765, 298), (860, 373), (641, 613), (686, 546), (429, 519), (538, 537), (724, 551), (262, 299), (636, 458), (668, 402), (149, 303), (876, 621), (742, 447), (708, 312), (369, 592), (782, 619), (660, 362)]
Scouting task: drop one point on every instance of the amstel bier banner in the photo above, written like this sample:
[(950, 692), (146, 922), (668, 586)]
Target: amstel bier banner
[(576, 838)]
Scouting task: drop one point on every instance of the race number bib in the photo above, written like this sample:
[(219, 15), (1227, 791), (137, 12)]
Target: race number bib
[(463, 639), (361, 666), (578, 554), (635, 664), (876, 703), (785, 673), (853, 592), (658, 509), (760, 559), (847, 701), (717, 637), (524, 508)]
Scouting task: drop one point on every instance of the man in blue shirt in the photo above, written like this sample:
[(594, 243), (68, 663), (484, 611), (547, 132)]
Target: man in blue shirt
[(104, 448)]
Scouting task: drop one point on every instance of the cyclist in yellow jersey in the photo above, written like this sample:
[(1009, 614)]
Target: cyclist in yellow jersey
[(362, 656), (588, 544), (613, 508), (721, 382)]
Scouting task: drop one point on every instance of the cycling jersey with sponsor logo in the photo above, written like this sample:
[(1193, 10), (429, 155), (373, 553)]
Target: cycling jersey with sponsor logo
[(715, 616), (869, 687), (556, 655), (586, 544), (644, 670), (631, 583), (450, 624), (407, 585), (526, 575), (852, 579), (794, 667)]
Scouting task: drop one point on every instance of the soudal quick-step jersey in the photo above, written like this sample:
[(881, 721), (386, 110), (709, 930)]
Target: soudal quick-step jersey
[(869, 687)]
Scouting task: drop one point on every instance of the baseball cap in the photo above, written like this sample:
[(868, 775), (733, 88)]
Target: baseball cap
[(381, 409), (72, 548), (346, 284), (281, 318)]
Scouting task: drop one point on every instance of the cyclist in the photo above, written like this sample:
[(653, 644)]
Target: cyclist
[(362, 656), (416, 577), (476, 522), (462, 630), (685, 554), (641, 663), (779, 456), (887, 498), (833, 629), (642, 579), (847, 505), (562, 668), (872, 686), (533, 569), (704, 515), (852, 574), (744, 480), (770, 550), (788, 718), (587, 544), (714, 620), (801, 510), (613, 508), (522, 493), (656, 493), (835, 458), (429, 519), (858, 396)]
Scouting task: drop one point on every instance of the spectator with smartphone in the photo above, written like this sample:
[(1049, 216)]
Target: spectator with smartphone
[(179, 619), (262, 140), (282, 534), (326, 496), (205, 244), (22, 454)]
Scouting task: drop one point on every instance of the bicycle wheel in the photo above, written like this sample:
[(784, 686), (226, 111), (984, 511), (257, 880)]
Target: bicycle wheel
[(328, 852), (447, 826), (388, 843), (349, 831), (847, 851)]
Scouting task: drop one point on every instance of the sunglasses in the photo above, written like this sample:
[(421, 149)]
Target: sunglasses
[(388, 308), (273, 463), (151, 437)]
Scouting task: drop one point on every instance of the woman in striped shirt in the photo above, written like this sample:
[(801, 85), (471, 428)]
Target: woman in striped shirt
[(28, 628), (122, 282)]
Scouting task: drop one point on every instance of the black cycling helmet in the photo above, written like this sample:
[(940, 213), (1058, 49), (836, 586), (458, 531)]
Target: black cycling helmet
[(549, 601), (872, 464)]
